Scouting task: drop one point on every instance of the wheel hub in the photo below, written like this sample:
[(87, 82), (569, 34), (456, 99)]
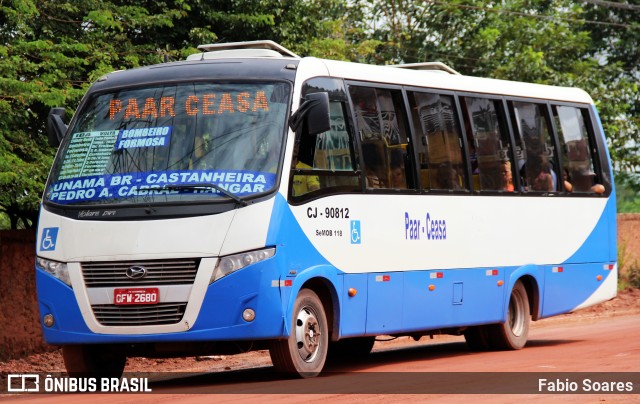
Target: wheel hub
[(516, 315), (307, 334)]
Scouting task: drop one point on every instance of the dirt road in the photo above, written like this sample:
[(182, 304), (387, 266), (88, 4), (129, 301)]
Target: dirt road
[(607, 348)]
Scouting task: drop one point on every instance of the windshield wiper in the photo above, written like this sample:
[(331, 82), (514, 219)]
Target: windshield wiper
[(206, 185)]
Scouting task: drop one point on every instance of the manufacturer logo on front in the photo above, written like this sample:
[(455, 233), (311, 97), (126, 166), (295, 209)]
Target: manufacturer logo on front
[(136, 272)]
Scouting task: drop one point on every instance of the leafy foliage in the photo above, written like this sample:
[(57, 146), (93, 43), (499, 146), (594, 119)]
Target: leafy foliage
[(627, 191), (50, 52), (590, 44)]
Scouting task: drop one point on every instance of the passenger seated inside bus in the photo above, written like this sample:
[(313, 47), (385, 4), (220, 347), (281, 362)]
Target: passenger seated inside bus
[(447, 177), (537, 175), (584, 180), (374, 153), (397, 175), (566, 180), (543, 181), (507, 176)]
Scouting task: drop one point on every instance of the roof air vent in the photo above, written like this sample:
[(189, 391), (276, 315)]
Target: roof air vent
[(258, 49), (434, 66)]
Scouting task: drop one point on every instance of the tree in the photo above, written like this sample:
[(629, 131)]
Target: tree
[(49, 54), (592, 44), (615, 42)]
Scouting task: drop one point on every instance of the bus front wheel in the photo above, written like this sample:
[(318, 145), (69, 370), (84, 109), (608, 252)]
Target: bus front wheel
[(513, 333), (304, 352), (93, 360)]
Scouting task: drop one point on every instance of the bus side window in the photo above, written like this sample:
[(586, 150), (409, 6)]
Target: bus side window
[(438, 141), (323, 164), (534, 147), (578, 171), (328, 151), (382, 126), (489, 145)]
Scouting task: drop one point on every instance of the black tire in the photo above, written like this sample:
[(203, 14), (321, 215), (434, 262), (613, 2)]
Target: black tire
[(349, 348), (304, 353), (93, 361), (513, 333), (477, 338)]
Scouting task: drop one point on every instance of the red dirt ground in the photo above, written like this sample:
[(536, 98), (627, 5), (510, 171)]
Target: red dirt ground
[(626, 303)]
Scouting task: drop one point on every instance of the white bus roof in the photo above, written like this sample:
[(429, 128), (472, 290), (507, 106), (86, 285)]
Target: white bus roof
[(434, 75), (451, 82)]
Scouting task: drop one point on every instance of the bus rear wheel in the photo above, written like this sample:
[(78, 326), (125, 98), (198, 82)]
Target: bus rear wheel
[(513, 333), (93, 360), (304, 353), (477, 338)]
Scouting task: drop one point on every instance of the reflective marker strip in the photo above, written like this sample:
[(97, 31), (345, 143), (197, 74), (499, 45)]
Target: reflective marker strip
[(557, 269), (383, 278), (609, 267), (491, 272), (436, 275), (276, 283)]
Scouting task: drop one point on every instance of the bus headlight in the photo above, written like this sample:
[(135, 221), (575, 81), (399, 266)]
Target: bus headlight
[(55, 268), (232, 263)]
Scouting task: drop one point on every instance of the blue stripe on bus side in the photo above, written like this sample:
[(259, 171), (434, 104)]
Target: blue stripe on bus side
[(566, 289), (299, 261), (403, 302), (599, 243)]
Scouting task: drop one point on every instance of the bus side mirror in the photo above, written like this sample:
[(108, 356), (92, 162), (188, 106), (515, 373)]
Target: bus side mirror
[(315, 111), (56, 128)]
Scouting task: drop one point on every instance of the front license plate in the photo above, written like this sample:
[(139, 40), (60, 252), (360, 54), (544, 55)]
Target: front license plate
[(136, 296)]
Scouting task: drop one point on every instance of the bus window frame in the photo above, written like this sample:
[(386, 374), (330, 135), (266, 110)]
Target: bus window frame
[(411, 188), (598, 150), (556, 144), (464, 147), (552, 137), (506, 118), (503, 117), (602, 160), (355, 172)]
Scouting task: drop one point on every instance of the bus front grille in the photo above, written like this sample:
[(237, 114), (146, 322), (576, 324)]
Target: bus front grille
[(157, 314), (157, 272)]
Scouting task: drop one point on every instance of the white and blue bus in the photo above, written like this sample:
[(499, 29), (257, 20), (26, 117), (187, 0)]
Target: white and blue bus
[(247, 198)]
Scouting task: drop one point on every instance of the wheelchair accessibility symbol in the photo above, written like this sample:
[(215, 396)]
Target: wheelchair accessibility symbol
[(355, 232), (49, 238)]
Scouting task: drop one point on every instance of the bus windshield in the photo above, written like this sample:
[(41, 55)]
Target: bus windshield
[(174, 143)]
